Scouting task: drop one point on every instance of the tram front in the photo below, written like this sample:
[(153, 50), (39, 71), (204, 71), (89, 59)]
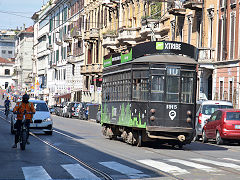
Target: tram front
[(172, 94)]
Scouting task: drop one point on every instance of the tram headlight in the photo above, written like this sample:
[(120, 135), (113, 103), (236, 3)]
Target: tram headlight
[(189, 120), (152, 118), (189, 113), (152, 111)]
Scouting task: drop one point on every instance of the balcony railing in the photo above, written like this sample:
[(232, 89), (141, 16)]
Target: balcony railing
[(67, 38), (177, 8), (206, 54), (193, 4), (110, 41), (130, 35), (76, 33), (91, 68), (94, 33)]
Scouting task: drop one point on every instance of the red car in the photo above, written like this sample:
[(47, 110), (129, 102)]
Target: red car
[(223, 125)]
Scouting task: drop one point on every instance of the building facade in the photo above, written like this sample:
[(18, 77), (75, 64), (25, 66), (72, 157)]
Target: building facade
[(7, 44), (6, 72), (226, 72), (59, 50), (23, 60)]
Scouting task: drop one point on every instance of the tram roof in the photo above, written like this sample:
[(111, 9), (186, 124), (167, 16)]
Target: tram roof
[(166, 59)]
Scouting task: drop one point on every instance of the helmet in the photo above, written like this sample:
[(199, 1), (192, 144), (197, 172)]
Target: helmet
[(25, 98)]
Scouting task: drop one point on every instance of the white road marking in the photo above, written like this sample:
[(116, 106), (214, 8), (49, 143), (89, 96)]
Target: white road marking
[(230, 159), (128, 171), (229, 165), (35, 173), (194, 165), (79, 172), (164, 167)]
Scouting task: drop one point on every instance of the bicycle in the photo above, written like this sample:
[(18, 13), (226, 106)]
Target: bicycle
[(6, 111), (23, 133)]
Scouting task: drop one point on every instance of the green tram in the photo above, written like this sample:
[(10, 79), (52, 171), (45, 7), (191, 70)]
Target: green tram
[(149, 93)]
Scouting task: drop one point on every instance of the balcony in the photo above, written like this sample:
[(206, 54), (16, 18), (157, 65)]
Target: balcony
[(94, 33), (67, 38), (206, 55), (91, 68), (76, 33), (129, 35), (177, 9), (110, 41), (146, 26), (193, 4)]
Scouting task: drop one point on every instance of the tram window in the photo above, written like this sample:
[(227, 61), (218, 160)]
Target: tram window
[(187, 74), (187, 90), (136, 89), (157, 89), (172, 85)]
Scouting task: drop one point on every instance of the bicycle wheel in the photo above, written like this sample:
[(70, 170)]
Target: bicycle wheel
[(6, 114), (23, 139)]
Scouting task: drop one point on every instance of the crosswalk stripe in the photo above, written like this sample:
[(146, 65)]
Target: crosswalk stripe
[(230, 159), (229, 165), (164, 167), (194, 165), (123, 169), (35, 173), (79, 172)]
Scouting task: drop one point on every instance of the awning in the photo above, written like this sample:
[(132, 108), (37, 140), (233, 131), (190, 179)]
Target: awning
[(67, 96)]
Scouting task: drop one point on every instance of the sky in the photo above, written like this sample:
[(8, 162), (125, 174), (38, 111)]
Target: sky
[(15, 13)]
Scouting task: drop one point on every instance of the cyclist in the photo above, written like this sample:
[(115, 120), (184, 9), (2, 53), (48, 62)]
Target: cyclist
[(20, 108), (7, 105)]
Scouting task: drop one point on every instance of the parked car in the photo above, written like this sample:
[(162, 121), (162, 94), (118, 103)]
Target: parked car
[(41, 119), (223, 125), (51, 109), (81, 111), (205, 110), (79, 108), (69, 109)]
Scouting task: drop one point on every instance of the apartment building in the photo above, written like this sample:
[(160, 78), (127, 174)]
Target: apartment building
[(7, 43), (6, 72), (59, 50), (226, 72), (23, 60)]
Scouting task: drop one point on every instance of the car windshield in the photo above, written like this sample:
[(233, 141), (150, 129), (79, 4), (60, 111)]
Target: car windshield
[(40, 106), (233, 116), (209, 109)]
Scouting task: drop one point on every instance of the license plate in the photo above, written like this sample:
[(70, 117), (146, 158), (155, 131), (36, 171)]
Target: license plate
[(237, 126)]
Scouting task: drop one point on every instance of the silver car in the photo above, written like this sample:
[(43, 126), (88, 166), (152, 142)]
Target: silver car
[(204, 112), (41, 119)]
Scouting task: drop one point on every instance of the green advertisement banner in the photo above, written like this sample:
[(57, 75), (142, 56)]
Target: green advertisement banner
[(126, 57)]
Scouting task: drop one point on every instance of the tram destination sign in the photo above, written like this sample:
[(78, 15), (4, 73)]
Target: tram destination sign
[(151, 48)]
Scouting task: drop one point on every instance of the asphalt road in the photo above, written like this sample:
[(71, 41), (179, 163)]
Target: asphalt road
[(77, 150)]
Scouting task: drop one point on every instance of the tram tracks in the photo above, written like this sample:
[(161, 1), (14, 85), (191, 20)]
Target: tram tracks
[(96, 171), (108, 177)]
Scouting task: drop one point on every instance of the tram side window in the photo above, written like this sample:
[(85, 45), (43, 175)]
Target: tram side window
[(157, 89), (187, 87), (172, 84), (140, 85)]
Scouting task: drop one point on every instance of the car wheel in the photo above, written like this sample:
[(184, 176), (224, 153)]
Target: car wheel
[(204, 137), (219, 139), (49, 132)]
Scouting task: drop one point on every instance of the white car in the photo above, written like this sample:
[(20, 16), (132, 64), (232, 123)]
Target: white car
[(41, 119), (204, 112)]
